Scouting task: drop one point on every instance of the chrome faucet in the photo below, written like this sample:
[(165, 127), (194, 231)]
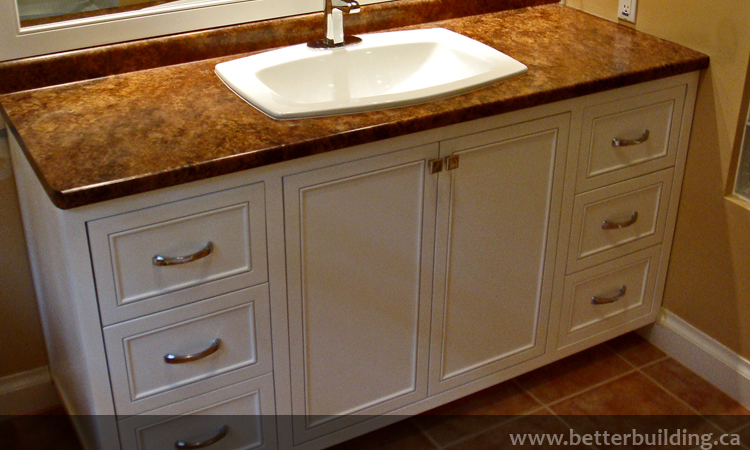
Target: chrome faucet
[(333, 15)]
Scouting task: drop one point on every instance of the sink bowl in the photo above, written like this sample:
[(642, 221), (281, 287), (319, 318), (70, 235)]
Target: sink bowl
[(385, 70)]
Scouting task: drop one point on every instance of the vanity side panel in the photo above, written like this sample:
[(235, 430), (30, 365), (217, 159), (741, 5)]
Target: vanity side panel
[(686, 126), (64, 285)]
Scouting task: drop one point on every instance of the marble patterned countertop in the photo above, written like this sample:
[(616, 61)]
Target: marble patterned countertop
[(109, 137)]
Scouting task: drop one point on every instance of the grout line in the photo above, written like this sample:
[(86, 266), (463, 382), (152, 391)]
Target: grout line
[(650, 363), (483, 431), (425, 433), (740, 428), (691, 408), (570, 427), (655, 362), (592, 387), (531, 394)]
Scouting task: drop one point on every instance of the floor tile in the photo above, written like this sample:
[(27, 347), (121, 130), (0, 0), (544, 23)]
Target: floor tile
[(699, 394), (633, 394), (403, 435), (527, 427), (48, 431), (631, 405), (635, 349), (744, 435), (642, 431), (475, 413), (573, 374)]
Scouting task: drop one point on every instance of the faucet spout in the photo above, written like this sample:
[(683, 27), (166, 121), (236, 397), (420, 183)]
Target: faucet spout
[(333, 15)]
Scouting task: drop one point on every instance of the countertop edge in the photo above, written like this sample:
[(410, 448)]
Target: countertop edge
[(274, 153), (74, 198)]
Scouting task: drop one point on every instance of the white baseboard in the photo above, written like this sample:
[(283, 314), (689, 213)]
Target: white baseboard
[(27, 392), (702, 354)]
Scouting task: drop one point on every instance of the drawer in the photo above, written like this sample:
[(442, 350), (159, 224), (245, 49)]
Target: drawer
[(602, 162), (616, 220), (236, 417), (601, 298), (213, 343), (124, 249)]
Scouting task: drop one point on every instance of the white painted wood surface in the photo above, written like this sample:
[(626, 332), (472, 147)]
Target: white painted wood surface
[(246, 409), (142, 380), (591, 244), (490, 293), (122, 247), (358, 247), (659, 112), (359, 252), (635, 272)]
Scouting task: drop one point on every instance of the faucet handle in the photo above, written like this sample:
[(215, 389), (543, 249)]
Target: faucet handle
[(353, 7), (347, 6)]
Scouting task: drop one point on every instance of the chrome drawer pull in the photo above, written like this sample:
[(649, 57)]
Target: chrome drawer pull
[(174, 260), (180, 359), (609, 225), (598, 300), (203, 444), (616, 142)]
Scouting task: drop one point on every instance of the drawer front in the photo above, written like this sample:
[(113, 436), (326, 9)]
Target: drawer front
[(601, 298), (653, 119), (223, 232), (619, 219), (212, 344), (237, 417)]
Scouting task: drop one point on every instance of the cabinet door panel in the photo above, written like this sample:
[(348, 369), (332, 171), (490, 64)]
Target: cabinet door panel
[(495, 250), (360, 239)]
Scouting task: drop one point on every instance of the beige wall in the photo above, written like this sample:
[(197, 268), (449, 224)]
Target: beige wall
[(709, 275), (20, 332)]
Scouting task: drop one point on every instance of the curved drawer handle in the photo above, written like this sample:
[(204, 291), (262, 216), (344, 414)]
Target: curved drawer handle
[(159, 260), (617, 142), (609, 225), (203, 444), (180, 359), (599, 300)]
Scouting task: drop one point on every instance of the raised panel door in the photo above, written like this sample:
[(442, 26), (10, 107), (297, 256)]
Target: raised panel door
[(360, 239), (496, 235)]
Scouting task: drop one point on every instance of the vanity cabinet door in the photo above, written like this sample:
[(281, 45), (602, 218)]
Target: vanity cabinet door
[(359, 243), (497, 222)]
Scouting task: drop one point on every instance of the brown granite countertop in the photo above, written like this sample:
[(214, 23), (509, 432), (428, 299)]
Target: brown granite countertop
[(120, 135)]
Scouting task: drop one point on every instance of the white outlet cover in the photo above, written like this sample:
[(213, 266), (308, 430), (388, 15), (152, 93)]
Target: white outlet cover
[(626, 10)]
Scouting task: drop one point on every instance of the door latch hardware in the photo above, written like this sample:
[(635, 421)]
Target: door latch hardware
[(451, 162), (436, 165)]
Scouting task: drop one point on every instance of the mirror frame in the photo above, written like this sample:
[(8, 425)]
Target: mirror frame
[(17, 42)]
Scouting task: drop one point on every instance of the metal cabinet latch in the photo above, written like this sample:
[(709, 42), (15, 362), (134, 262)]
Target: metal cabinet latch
[(451, 162)]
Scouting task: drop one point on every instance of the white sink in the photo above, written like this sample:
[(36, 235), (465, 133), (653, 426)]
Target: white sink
[(385, 70)]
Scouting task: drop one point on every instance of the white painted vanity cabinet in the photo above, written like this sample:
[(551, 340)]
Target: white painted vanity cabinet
[(314, 297)]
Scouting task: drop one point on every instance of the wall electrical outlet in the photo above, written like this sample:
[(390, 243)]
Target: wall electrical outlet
[(626, 10)]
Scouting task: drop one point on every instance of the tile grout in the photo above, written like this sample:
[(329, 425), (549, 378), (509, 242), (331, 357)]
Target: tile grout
[(425, 434), (592, 387), (485, 430), (690, 407), (548, 406)]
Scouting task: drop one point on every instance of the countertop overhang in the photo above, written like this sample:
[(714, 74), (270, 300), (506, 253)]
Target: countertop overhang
[(111, 137)]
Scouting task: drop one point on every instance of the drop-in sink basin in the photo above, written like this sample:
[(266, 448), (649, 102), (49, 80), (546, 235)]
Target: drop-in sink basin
[(385, 70)]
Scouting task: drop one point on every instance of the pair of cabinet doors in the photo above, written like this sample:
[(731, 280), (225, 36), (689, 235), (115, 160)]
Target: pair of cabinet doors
[(403, 283)]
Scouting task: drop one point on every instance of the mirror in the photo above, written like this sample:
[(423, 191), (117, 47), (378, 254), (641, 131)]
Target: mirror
[(40, 27), (41, 12)]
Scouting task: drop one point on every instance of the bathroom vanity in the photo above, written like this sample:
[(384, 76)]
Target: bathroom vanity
[(325, 277)]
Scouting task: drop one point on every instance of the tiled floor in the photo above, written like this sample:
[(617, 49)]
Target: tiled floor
[(626, 377)]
